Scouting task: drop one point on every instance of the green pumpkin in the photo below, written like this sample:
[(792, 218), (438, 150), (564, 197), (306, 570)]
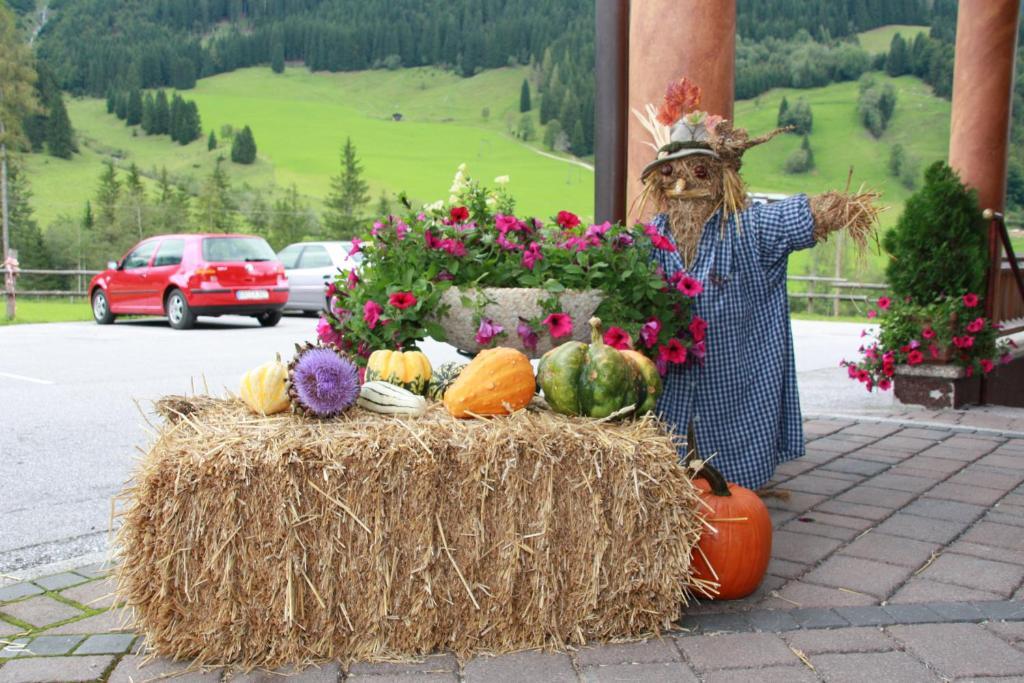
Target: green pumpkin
[(592, 380), (442, 378)]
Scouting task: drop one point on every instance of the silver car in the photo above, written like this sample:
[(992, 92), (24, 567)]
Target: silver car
[(310, 267)]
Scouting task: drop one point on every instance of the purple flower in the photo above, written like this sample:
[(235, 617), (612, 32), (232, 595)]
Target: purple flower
[(443, 275), (622, 241), (532, 255), (324, 382), (401, 229), (487, 331), (527, 335), (597, 231), (326, 332)]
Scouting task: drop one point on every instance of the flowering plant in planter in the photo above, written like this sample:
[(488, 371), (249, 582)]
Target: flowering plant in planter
[(476, 240), (953, 329)]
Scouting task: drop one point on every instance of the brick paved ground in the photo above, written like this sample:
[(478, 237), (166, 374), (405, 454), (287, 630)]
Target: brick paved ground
[(898, 556)]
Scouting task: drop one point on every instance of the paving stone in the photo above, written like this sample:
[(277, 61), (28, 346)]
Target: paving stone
[(998, 535), (864, 576), (742, 650), (41, 610), (950, 453), (961, 649), (902, 482), (797, 673), (780, 517), (131, 670), (56, 645), (871, 667), (865, 616), (661, 672), (794, 467), (772, 620), (104, 622), (434, 664), (1011, 462), (9, 629), (829, 445), (106, 644), (324, 673), (956, 611), (798, 501), (876, 497), (924, 590), (936, 468), (800, 526), (1000, 517), (406, 678), (785, 568), (49, 669), (521, 666), (929, 434), (949, 510), (975, 572), (645, 652), (56, 582), (855, 438), (14, 648), (985, 552), (875, 429), (880, 455), (817, 618), (16, 591), (96, 570), (813, 483), (717, 623), (975, 495), (94, 595), (999, 478), (822, 427), (921, 528), (903, 444), (854, 465), (905, 552), (912, 613), (842, 640), (1002, 609), (805, 549), (801, 594), (844, 476), (1012, 631), (869, 512)]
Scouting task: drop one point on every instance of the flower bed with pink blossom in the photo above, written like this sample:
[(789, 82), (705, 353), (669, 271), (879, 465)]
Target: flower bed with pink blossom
[(476, 240)]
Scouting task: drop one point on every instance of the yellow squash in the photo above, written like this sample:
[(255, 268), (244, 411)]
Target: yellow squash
[(409, 369), (265, 390)]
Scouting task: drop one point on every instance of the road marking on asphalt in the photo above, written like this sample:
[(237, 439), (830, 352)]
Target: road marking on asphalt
[(23, 378)]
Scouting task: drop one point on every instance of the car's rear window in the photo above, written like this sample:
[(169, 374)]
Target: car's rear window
[(237, 249)]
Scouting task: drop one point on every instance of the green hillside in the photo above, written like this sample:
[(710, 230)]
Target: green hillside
[(877, 40)]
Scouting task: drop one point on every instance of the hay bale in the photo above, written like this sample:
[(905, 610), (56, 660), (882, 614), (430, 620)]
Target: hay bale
[(263, 541)]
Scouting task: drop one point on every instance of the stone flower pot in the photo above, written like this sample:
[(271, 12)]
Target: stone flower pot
[(508, 305)]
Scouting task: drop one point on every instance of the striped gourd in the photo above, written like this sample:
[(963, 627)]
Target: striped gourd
[(407, 369), (383, 397)]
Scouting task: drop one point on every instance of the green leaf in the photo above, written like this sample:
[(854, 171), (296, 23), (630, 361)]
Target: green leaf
[(435, 331)]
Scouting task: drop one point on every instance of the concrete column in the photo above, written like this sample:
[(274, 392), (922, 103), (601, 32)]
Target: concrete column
[(669, 39), (986, 43), (610, 110)]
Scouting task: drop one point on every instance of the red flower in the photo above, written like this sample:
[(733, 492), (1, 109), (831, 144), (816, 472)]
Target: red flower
[(872, 313), (970, 300), (964, 342), (658, 240), (915, 357), (698, 326), (934, 350), (689, 286), (884, 384), (618, 338), (332, 289), (673, 352), (883, 302), (928, 333), (402, 300), (459, 214), (976, 325), (987, 366), (558, 324), (567, 220), (371, 313), (649, 332)]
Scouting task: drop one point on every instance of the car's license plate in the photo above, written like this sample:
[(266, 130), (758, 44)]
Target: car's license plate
[(250, 294)]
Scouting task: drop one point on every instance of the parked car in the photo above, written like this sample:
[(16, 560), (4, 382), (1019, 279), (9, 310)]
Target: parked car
[(310, 267), (184, 276)]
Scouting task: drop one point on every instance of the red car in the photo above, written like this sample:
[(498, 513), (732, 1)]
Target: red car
[(183, 276)]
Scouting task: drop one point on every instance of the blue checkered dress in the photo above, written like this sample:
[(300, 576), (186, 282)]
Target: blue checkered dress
[(743, 401)]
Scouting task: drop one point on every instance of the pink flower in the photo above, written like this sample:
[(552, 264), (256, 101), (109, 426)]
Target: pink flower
[(649, 332), (1006, 358), (371, 313), (673, 352), (987, 366), (352, 279), (657, 239), (884, 302), (851, 370), (453, 247), (970, 300), (928, 333), (618, 338), (934, 351), (357, 246), (597, 231), (527, 334), (969, 371), (377, 227), (506, 223), (326, 332), (432, 242), (487, 331), (567, 220), (872, 313), (401, 229), (884, 384), (698, 351), (698, 326), (332, 289), (690, 286), (532, 255), (575, 243), (976, 325), (558, 324), (402, 300), (915, 357), (964, 342), (444, 276)]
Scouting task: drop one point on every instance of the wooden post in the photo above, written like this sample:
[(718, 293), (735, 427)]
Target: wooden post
[(610, 110), (669, 39), (6, 231)]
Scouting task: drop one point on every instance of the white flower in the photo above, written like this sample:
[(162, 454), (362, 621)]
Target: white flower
[(461, 168), (436, 206), (501, 180), (491, 201), (453, 200)]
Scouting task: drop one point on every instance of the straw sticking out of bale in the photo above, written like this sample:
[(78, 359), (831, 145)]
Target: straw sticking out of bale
[(856, 213), (261, 541)]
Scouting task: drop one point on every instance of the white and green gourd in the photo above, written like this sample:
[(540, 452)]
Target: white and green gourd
[(383, 397)]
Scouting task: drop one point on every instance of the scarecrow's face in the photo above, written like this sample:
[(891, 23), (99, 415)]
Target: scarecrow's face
[(694, 177)]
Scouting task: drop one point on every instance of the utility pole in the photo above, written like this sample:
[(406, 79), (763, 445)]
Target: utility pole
[(5, 219)]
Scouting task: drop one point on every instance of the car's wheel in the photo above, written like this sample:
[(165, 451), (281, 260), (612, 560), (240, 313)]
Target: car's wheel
[(101, 308), (269, 318), (179, 314)]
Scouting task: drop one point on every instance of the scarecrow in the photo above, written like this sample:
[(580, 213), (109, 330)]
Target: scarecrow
[(741, 404)]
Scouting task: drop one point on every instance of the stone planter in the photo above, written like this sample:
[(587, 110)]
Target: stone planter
[(509, 304), (936, 386)]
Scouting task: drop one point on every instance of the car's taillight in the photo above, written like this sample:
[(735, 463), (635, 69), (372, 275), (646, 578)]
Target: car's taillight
[(205, 271)]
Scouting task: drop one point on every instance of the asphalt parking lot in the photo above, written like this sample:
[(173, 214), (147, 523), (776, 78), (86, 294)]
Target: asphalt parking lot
[(72, 397)]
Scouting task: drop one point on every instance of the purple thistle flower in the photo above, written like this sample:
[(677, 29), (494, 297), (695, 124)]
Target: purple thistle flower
[(325, 383)]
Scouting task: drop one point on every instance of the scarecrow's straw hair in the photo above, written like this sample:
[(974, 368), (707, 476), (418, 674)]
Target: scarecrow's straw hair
[(856, 214), (264, 541)]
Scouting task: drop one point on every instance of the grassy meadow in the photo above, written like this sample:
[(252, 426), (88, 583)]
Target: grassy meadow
[(877, 40), (47, 311)]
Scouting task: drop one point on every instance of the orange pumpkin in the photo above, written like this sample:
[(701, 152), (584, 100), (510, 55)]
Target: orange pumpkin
[(740, 546), (497, 382)]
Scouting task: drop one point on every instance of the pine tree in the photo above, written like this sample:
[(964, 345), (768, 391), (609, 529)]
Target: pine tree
[(347, 197), (243, 147), (121, 106), (277, 53), (783, 118), (215, 209), (551, 133), (175, 117), (292, 221), (148, 110), (107, 195), (133, 113), (383, 204), (161, 114), (211, 142), (524, 97), (60, 140), (896, 64), (135, 201), (110, 101), (579, 141)]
